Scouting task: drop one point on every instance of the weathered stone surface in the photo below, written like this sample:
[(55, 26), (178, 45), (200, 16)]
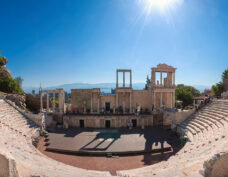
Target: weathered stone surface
[(216, 166), (19, 100), (16, 140), (7, 167), (4, 72), (4, 166), (188, 161)]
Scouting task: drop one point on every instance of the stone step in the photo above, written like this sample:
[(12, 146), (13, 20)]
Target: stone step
[(210, 119), (198, 123), (215, 113), (195, 128), (213, 117), (189, 129)]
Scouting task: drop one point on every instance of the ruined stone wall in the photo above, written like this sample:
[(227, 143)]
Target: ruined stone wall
[(79, 97), (175, 118), (110, 99), (142, 98), (96, 99), (124, 98), (99, 121), (158, 99), (167, 99), (19, 100)]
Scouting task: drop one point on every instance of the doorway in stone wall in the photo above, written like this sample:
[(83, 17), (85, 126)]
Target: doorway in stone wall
[(107, 124), (134, 122), (107, 106), (81, 123)]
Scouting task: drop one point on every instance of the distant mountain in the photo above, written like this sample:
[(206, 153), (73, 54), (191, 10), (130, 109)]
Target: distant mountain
[(105, 87), (201, 88)]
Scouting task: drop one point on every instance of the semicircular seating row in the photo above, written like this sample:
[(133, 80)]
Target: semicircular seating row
[(207, 131), (16, 133)]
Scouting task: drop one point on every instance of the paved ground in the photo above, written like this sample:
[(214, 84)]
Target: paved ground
[(107, 164), (124, 140), (117, 141)]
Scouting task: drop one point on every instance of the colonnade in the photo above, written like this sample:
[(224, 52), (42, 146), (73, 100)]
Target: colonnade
[(124, 105), (61, 96), (170, 102), (124, 90), (124, 83)]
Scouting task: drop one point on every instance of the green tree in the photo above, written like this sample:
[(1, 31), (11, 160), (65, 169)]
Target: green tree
[(190, 89), (225, 74), (182, 94), (217, 89), (7, 83), (19, 81), (147, 82), (10, 85)]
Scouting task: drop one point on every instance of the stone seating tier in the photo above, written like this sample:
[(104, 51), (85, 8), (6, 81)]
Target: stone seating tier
[(207, 129)]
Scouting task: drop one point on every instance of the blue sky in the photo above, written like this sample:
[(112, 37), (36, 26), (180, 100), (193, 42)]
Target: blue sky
[(66, 41)]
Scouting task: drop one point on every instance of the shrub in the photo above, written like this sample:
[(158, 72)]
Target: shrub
[(218, 88), (33, 103), (184, 96), (10, 85)]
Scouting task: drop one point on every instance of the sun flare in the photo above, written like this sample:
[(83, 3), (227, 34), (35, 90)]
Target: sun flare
[(161, 5)]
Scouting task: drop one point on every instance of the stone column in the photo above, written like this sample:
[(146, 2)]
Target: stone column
[(130, 102), (173, 78), (41, 101), (116, 100), (54, 102), (61, 102), (124, 107), (47, 102), (91, 104), (98, 106), (123, 79), (59, 96), (167, 99), (170, 75), (154, 100), (130, 79), (173, 100), (161, 78), (116, 79), (84, 107), (153, 78), (160, 99)]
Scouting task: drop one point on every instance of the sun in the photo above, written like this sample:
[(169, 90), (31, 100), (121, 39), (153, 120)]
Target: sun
[(161, 5)]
